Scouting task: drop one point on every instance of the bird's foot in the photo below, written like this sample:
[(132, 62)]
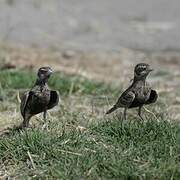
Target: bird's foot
[(24, 126), (45, 126), (141, 118)]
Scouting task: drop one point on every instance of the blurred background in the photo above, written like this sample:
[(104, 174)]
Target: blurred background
[(92, 38), (92, 25)]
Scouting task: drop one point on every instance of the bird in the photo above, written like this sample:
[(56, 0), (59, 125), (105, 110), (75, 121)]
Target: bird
[(39, 98), (138, 94)]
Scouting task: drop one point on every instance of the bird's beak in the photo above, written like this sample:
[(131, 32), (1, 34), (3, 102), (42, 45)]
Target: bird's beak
[(151, 70), (50, 71)]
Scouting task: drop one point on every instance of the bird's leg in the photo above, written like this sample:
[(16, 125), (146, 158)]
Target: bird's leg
[(124, 115), (139, 112), (25, 123), (45, 120), (44, 115)]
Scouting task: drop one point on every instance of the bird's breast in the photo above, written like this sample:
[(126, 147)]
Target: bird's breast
[(42, 97), (142, 94)]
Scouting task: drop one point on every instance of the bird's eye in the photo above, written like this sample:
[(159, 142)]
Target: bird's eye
[(143, 68), (43, 71)]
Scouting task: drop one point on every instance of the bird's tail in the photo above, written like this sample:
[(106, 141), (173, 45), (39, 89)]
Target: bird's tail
[(112, 109)]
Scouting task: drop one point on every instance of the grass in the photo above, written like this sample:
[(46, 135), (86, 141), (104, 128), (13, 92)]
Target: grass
[(105, 148), (111, 149), (66, 84)]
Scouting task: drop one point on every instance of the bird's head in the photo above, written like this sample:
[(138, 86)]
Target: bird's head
[(141, 70), (44, 73)]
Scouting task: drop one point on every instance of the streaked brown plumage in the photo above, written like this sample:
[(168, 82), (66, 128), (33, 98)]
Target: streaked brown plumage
[(39, 99), (139, 92)]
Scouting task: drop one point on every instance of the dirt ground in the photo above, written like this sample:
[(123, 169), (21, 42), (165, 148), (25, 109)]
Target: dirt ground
[(94, 65)]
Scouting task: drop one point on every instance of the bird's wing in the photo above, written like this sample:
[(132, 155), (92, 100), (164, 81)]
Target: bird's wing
[(126, 99), (54, 99), (153, 97), (24, 100)]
